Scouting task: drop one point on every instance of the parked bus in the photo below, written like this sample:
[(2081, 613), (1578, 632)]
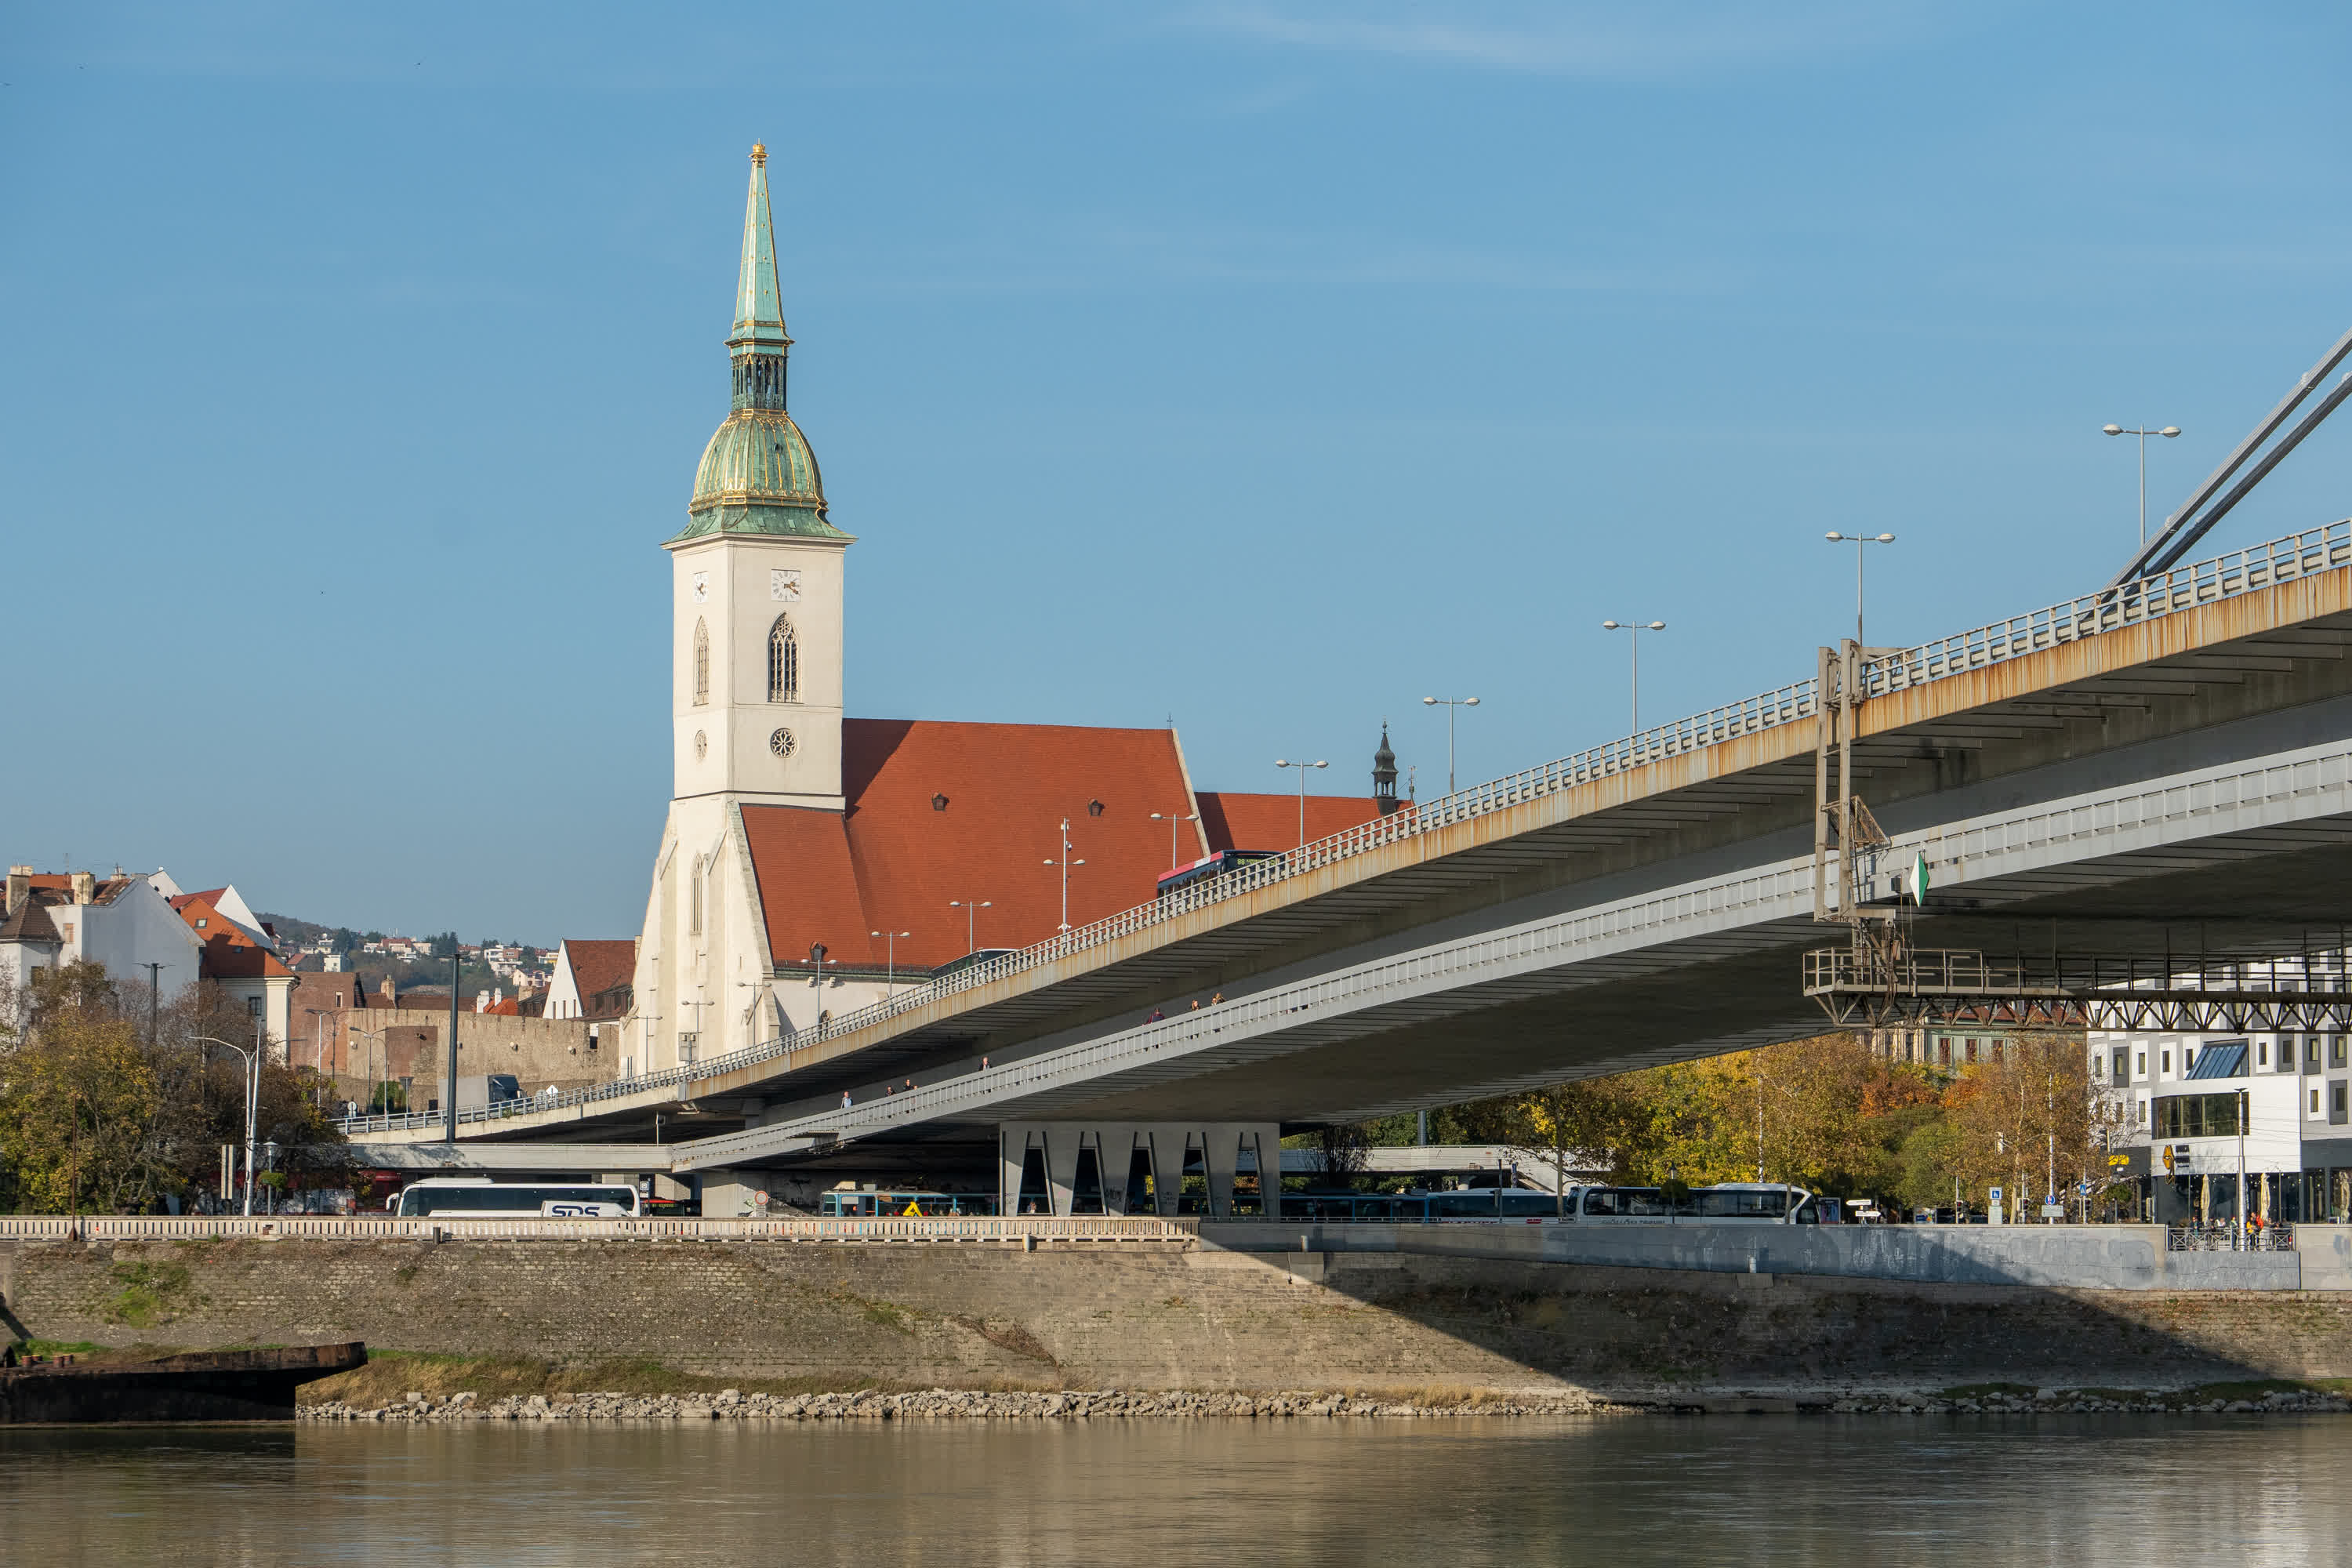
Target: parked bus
[(1210, 865), (478, 1197), (843, 1204)]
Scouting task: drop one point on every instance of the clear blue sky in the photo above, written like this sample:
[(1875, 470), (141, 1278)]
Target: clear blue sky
[(1271, 366)]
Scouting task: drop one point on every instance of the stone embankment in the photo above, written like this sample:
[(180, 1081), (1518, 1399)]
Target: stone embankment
[(948, 1404)]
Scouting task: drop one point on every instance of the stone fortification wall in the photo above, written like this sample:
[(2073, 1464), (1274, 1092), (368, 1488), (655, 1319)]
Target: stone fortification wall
[(1156, 1315), (538, 1051)]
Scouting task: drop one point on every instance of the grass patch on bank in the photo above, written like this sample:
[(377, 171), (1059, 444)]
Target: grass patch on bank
[(1988, 1391), (390, 1373)]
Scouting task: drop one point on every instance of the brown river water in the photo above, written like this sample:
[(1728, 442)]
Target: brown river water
[(1689, 1491)]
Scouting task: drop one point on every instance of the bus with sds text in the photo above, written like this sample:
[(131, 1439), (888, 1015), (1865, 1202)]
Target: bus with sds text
[(478, 1197)]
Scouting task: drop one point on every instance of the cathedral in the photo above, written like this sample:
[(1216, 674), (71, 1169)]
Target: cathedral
[(813, 862)]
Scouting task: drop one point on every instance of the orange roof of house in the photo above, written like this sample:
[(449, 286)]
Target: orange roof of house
[(599, 963), (1271, 821), (229, 953), (940, 811)]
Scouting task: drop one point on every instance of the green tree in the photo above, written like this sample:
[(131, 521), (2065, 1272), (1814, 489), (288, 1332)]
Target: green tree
[(76, 1104)]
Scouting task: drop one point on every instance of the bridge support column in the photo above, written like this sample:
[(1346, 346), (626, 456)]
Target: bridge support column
[(1221, 1145), (727, 1195)]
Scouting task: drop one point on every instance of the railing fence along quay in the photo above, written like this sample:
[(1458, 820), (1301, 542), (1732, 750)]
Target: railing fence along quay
[(2151, 598), (380, 1227)]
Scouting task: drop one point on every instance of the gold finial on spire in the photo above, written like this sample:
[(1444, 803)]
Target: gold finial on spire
[(758, 154)]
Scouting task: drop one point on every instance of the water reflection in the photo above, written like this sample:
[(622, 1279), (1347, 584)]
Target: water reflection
[(1692, 1491)]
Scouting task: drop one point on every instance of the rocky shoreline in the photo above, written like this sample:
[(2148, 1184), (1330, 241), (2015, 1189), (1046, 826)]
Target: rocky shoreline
[(939, 1404)]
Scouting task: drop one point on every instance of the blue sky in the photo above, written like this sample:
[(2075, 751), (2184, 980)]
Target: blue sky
[(1271, 366)]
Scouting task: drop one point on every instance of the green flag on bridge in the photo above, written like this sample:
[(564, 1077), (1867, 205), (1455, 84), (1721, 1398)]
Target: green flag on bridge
[(1918, 878)]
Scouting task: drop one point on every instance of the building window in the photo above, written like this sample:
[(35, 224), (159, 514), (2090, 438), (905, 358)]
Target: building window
[(2314, 1101), (701, 663), (2122, 1069), (783, 662), (2142, 1068), (2335, 1106), (694, 899), (2261, 1053), (2311, 1052), (2168, 1061), (2336, 1050), (253, 1007)]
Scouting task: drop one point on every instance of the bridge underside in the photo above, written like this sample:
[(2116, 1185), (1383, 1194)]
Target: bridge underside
[(2171, 800)]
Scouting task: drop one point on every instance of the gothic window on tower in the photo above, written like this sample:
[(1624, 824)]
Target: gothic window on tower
[(783, 662), (701, 663), (694, 902)]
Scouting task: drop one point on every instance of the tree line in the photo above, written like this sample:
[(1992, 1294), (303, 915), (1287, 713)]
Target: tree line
[(1825, 1114), (112, 1102)]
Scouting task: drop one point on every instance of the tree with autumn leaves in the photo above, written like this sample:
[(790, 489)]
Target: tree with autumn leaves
[(107, 1107), (1824, 1113)]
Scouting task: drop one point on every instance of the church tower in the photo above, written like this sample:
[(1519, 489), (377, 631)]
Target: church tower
[(756, 578)]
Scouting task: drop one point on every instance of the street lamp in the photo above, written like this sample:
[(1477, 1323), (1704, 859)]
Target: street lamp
[(2143, 433), (252, 1089), (1858, 541), (1637, 628), (1175, 826), (1302, 767), (318, 1042), (1450, 704), (371, 1036), (1065, 862), (889, 956), (971, 919)]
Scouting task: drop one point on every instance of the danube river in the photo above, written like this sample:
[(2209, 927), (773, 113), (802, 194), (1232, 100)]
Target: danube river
[(1690, 1492)]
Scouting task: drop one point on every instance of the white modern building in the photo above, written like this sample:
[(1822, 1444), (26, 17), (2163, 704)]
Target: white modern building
[(2193, 1112)]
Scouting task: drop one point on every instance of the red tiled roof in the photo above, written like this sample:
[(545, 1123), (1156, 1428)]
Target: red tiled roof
[(599, 963), (1271, 821), (229, 953), (893, 861)]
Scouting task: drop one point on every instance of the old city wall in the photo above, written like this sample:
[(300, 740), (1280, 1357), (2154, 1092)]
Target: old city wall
[(539, 1051), (1163, 1314)]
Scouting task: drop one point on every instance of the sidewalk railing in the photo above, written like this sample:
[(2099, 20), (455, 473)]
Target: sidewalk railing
[(2222, 1236), (2168, 593), (362, 1228)]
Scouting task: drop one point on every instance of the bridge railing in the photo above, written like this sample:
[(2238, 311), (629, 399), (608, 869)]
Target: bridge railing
[(2167, 592)]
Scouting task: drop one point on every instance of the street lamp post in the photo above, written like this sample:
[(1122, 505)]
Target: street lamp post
[(318, 1041), (252, 1090), (1065, 862), (2143, 433), (971, 919), (889, 956), (371, 1036), (1175, 825), (1858, 541), (1636, 628), (1450, 704), (1302, 767)]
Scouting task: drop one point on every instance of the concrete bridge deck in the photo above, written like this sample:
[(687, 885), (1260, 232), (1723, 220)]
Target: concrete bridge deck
[(2171, 752)]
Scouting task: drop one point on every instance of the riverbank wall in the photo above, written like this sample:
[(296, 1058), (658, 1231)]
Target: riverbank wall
[(1163, 1313)]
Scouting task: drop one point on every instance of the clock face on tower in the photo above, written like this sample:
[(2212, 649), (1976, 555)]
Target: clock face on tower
[(784, 584), (701, 586)]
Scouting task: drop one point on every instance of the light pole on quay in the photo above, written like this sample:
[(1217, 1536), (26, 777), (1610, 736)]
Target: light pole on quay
[(1858, 541), (252, 1089), (1636, 628)]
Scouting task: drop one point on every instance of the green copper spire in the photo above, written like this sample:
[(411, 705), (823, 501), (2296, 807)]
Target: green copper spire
[(759, 342), (758, 475)]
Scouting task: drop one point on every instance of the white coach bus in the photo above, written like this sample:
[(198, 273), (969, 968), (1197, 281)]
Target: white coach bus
[(478, 1197)]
